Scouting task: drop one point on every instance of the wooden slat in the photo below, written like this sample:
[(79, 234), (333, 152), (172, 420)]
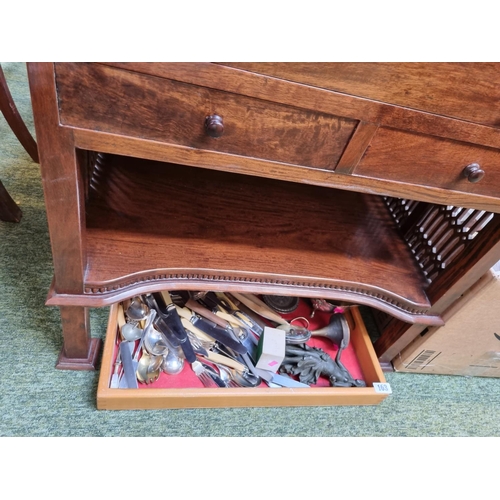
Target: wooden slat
[(356, 147)]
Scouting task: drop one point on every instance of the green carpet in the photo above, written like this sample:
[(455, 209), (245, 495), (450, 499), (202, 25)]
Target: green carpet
[(37, 400)]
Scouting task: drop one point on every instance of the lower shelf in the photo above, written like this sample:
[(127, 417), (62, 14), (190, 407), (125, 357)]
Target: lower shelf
[(360, 359), (171, 226)]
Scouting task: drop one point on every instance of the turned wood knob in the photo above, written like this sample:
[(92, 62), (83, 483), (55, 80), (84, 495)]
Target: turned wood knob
[(473, 172), (214, 125)]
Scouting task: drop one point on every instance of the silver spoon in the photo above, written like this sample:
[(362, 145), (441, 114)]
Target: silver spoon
[(149, 324), (131, 332), (137, 310), (157, 344), (172, 363)]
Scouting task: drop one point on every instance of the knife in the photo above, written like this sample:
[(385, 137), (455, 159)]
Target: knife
[(122, 384), (168, 312), (223, 335), (253, 321), (221, 306), (285, 381), (115, 378), (272, 378), (259, 307), (159, 321), (128, 368), (165, 329)]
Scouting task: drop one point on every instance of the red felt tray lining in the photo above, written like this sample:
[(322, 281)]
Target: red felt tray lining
[(187, 379)]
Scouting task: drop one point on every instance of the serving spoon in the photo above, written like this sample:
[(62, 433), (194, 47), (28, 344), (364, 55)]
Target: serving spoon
[(156, 344), (136, 311)]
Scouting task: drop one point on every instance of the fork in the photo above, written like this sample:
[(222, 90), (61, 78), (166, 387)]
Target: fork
[(199, 344), (227, 376), (202, 373), (222, 375)]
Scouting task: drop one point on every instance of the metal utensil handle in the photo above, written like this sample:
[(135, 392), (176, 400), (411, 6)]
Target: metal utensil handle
[(263, 374), (149, 324), (115, 378)]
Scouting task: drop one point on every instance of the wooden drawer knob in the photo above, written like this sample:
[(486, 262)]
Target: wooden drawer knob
[(473, 172), (214, 125)]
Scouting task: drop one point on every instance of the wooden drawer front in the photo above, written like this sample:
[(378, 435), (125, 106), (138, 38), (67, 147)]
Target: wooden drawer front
[(429, 161), (192, 396), (102, 98), (474, 95)]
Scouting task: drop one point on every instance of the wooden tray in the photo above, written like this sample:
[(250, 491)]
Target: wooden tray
[(150, 397)]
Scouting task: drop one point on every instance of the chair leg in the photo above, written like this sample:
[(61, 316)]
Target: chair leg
[(9, 211), (14, 119)]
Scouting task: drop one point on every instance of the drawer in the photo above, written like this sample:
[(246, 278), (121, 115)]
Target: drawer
[(430, 161), (467, 91), (100, 98), (185, 390)]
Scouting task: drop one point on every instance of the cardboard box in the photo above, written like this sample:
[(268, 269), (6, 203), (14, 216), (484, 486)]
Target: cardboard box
[(469, 342), (271, 349)]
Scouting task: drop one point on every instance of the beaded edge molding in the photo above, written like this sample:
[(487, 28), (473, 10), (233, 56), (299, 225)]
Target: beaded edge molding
[(231, 279)]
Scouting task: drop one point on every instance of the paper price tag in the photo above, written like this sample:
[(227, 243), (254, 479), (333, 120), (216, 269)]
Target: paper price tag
[(383, 388)]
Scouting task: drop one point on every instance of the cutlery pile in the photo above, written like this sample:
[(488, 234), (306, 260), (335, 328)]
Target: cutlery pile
[(214, 334)]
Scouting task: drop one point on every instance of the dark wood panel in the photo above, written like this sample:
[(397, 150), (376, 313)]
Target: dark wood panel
[(97, 97), (429, 161), (146, 218), (326, 101), (345, 242), (469, 91)]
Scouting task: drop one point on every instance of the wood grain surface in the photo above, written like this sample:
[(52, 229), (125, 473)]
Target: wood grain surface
[(148, 217), (94, 96), (429, 161), (468, 91), (302, 94)]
